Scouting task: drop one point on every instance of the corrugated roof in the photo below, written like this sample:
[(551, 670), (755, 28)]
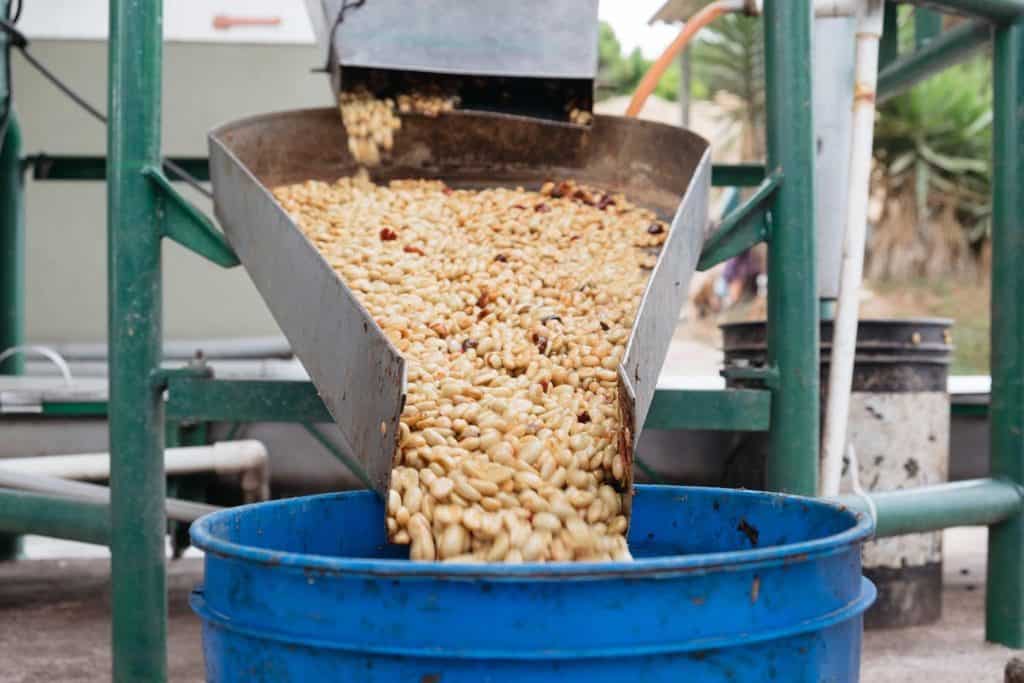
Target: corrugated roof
[(676, 11)]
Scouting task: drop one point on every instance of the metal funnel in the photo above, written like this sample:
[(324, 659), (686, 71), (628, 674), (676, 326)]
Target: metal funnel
[(358, 372)]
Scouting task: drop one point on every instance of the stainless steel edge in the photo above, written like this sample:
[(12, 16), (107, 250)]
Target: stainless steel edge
[(666, 291), (357, 371)]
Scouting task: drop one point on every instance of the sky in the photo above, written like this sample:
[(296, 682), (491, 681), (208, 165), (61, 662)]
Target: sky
[(629, 19)]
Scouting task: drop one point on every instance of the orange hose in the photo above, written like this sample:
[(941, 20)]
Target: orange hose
[(654, 74)]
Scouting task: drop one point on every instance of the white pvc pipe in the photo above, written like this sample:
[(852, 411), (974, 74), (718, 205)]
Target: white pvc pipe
[(45, 351), (247, 457), (836, 8), (844, 335)]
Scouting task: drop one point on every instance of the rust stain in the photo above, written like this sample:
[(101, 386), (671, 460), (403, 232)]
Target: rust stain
[(431, 678), (867, 96), (799, 557), (755, 588), (749, 530)]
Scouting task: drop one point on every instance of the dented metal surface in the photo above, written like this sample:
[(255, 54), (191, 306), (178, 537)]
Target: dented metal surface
[(532, 38), (359, 374)]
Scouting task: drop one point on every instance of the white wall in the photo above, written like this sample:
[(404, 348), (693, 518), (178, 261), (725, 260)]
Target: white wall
[(204, 85)]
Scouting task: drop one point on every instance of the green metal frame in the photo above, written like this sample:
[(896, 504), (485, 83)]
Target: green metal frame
[(939, 53), (742, 228), (12, 248), (141, 204), (792, 333), (927, 25), (134, 333), (1005, 588)]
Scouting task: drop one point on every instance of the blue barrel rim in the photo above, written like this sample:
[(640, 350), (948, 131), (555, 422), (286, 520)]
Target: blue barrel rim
[(203, 539)]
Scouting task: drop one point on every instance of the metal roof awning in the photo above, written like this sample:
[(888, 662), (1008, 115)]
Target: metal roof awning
[(676, 11)]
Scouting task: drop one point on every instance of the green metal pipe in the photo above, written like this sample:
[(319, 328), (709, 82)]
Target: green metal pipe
[(341, 456), (22, 512), (12, 249), (138, 574), (737, 175), (927, 26), (12, 243), (1004, 613), (71, 167), (792, 292), (66, 167), (742, 227), (889, 46), (1002, 11), (977, 502), (948, 49)]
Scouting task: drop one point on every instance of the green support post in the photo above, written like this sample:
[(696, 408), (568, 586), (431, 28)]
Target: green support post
[(1004, 612), (12, 273), (792, 291), (889, 47), (12, 249), (138, 572), (12, 245)]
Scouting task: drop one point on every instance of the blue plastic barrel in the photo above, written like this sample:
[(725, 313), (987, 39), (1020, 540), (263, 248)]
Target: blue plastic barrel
[(727, 586)]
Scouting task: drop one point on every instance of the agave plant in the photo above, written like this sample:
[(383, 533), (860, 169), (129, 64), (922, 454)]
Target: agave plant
[(933, 175), (729, 58)]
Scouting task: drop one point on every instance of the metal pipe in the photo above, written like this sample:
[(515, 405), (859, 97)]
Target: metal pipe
[(234, 348), (994, 10), (12, 248), (889, 47), (12, 254), (691, 27), (844, 340), (792, 297), (22, 512), (180, 510), (138, 574), (927, 26), (941, 52), (246, 457), (974, 502), (1004, 610)]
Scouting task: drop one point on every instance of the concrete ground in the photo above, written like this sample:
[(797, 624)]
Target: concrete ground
[(54, 621), (953, 650)]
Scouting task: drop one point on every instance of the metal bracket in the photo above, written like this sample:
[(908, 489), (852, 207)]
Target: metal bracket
[(188, 226), (743, 228), (768, 374), (162, 377)]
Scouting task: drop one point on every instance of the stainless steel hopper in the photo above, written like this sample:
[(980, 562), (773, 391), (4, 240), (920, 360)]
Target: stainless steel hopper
[(357, 371)]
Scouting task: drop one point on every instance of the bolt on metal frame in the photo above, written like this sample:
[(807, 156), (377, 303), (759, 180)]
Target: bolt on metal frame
[(135, 523)]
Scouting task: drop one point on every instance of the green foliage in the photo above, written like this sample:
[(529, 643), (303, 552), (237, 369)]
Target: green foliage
[(609, 50), (668, 86), (938, 135), (729, 57), (619, 74)]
